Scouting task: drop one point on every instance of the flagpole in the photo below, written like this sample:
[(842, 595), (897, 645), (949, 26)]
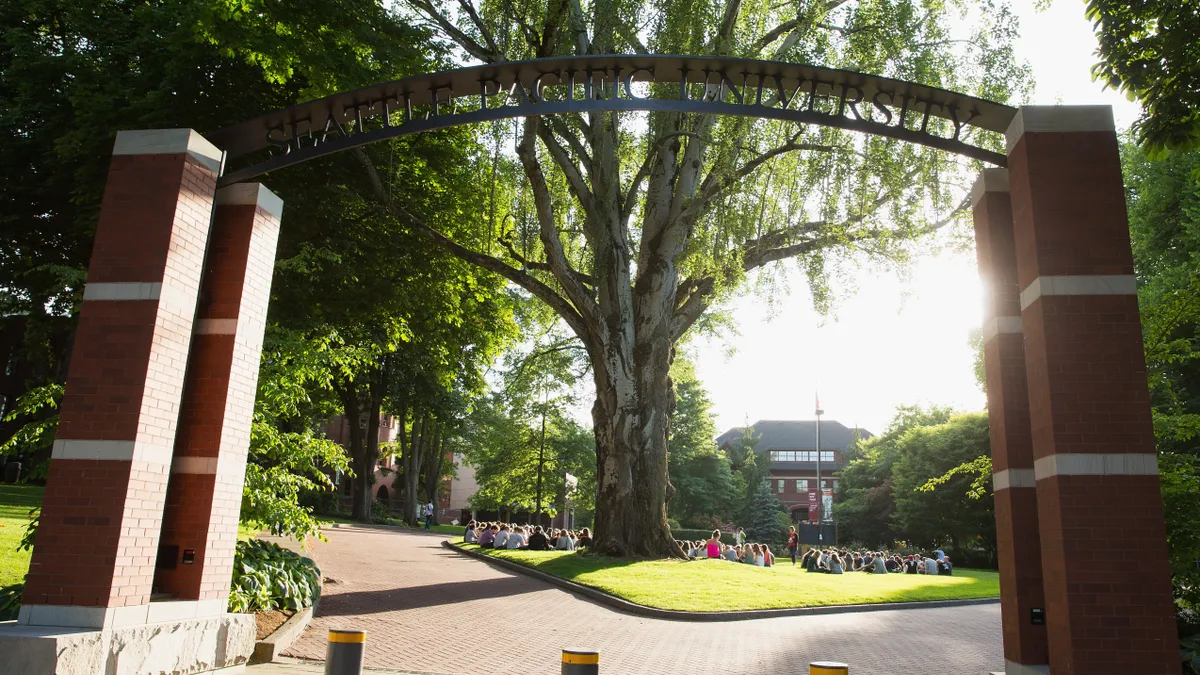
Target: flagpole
[(820, 492)]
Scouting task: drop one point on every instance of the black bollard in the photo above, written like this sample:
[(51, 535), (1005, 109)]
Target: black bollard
[(345, 653), (828, 668), (580, 662)]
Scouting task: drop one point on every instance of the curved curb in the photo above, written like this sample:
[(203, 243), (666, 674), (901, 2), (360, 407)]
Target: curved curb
[(628, 607)]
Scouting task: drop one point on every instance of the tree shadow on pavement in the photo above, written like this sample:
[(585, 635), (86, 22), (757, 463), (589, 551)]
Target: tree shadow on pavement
[(415, 597)]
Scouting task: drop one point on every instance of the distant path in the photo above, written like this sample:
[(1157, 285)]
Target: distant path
[(429, 610)]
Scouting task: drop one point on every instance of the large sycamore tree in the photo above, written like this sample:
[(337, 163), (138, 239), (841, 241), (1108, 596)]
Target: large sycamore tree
[(641, 223)]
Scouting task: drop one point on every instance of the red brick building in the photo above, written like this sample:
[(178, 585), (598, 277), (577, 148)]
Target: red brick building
[(791, 446)]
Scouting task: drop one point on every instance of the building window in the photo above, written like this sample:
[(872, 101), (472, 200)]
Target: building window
[(780, 486), (802, 485), (824, 485), (826, 455)]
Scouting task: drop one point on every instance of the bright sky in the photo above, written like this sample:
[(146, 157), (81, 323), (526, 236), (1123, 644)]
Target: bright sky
[(890, 343)]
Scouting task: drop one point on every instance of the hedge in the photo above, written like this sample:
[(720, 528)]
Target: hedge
[(684, 534)]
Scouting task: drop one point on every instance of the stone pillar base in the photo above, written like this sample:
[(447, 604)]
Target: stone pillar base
[(175, 647)]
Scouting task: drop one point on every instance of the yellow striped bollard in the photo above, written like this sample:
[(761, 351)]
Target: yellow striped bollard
[(580, 662), (345, 653), (828, 668)]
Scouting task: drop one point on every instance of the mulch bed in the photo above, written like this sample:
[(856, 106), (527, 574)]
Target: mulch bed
[(268, 621)]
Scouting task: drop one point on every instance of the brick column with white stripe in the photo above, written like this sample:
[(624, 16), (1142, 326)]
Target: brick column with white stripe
[(97, 541), (1104, 555), (1008, 419), (205, 493)]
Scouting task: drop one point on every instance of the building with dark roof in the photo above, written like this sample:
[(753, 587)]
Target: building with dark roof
[(791, 446)]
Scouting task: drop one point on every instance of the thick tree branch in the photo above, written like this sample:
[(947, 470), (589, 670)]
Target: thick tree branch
[(643, 172), (540, 290), (506, 242), (772, 35), (715, 185), (583, 45), (483, 29), (694, 295), (462, 39), (560, 267)]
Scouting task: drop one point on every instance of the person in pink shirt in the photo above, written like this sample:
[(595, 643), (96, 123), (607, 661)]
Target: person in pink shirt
[(713, 548)]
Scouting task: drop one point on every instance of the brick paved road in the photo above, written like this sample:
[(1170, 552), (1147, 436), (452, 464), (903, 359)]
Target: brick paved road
[(430, 610)]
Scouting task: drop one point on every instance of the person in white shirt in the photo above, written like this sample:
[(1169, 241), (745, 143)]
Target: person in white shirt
[(565, 542), (501, 540), (516, 540), (740, 536), (930, 566)]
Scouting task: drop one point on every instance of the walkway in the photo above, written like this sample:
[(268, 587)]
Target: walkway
[(429, 610)]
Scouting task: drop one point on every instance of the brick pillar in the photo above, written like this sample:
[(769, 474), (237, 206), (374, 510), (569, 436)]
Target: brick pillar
[(205, 493), (96, 544), (1104, 552), (1008, 416)]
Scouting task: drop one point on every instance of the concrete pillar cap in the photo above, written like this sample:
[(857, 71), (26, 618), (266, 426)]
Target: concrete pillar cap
[(251, 193), (170, 142), (1043, 118), (990, 180)]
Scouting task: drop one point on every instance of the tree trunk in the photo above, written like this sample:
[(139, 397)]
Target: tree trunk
[(412, 468), (370, 451), (631, 453), (360, 485), (434, 465)]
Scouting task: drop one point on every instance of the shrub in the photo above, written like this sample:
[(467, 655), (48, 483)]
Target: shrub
[(380, 513), (267, 576), (673, 524), (10, 601)]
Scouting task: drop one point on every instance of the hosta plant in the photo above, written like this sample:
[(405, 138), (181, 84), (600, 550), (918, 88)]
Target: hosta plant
[(267, 576)]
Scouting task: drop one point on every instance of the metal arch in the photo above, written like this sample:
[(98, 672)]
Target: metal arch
[(721, 86)]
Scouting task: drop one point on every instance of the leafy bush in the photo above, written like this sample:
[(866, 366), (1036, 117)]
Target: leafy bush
[(266, 577), (381, 513), (10, 601), (673, 524)]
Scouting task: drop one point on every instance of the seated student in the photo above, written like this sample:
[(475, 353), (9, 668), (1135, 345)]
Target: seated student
[(501, 540), (488, 536), (516, 540), (880, 566), (756, 551), (538, 540), (835, 564), (554, 535), (469, 534), (730, 553), (565, 542), (944, 566), (930, 566), (748, 554), (768, 557), (712, 547), (811, 560), (585, 538), (893, 564)]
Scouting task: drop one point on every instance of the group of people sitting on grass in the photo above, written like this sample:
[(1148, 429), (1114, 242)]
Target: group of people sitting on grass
[(525, 537), (750, 554), (834, 561)]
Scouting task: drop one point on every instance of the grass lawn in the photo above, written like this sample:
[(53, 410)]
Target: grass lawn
[(716, 585), (395, 522), (15, 503)]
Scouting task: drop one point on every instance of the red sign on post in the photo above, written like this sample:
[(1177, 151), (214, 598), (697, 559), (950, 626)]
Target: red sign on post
[(813, 506)]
